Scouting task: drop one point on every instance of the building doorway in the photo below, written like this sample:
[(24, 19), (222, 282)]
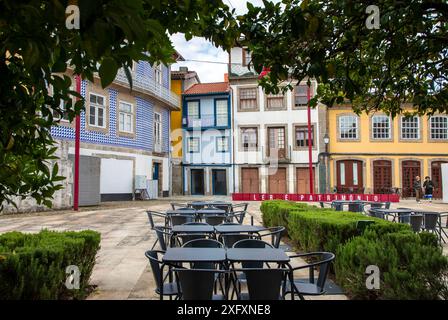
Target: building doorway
[(197, 181), (250, 180), (382, 176), (349, 176), (277, 181), (219, 181), (409, 170), (436, 177), (303, 180)]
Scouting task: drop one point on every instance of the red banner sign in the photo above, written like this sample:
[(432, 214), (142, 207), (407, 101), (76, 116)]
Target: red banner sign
[(315, 197)]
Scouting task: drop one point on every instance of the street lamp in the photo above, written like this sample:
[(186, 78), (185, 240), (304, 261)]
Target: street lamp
[(323, 156)]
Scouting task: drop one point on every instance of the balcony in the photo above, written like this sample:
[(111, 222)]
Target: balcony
[(148, 86), (274, 155), (206, 121)]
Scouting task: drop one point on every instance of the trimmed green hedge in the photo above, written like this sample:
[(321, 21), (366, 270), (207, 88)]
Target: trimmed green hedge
[(412, 266), (32, 266)]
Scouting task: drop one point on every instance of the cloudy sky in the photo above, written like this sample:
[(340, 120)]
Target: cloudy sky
[(202, 50)]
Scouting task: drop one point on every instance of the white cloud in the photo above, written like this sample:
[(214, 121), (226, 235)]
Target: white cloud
[(202, 50)]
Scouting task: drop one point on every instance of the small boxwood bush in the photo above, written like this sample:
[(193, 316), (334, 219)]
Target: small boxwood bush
[(412, 266), (32, 266)]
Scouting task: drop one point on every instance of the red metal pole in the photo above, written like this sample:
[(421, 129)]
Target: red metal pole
[(310, 147), (77, 147)]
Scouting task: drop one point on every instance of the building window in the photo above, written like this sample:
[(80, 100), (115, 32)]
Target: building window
[(348, 127), (158, 73), (97, 110), (125, 117), (275, 101), (193, 110), (63, 108), (381, 128), (249, 139), (222, 144), (222, 117), (302, 136), (439, 127), (248, 98), (301, 96), (157, 129), (410, 128), (247, 57), (193, 145)]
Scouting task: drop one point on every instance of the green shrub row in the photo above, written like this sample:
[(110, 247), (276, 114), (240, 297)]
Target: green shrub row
[(33, 266), (412, 266)]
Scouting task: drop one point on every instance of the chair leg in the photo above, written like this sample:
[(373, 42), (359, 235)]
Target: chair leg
[(155, 242)]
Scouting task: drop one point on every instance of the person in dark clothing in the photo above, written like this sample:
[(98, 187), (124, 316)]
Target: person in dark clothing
[(418, 189), (428, 185)]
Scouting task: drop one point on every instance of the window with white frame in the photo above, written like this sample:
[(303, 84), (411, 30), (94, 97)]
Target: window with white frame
[(275, 101), (97, 110), (438, 127), (193, 110), (193, 145), (63, 108), (381, 127), (125, 117), (348, 127), (157, 129), (158, 73), (249, 138), (222, 144), (248, 98), (410, 128), (222, 117), (301, 96)]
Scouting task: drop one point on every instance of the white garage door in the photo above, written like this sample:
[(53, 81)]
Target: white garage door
[(116, 176)]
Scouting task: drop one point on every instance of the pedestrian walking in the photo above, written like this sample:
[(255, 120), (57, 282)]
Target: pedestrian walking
[(428, 186), (418, 189)]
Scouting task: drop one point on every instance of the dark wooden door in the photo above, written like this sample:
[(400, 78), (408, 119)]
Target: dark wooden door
[(250, 180), (219, 181), (197, 181), (277, 181), (303, 180), (349, 176), (277, 146), (436, 177), (382, 176), (409, 170)]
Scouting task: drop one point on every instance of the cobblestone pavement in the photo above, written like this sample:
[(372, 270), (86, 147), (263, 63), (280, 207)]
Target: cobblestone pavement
[(122, 270)]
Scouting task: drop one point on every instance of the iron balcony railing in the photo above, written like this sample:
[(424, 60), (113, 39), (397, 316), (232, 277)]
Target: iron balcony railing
[(149, 86)]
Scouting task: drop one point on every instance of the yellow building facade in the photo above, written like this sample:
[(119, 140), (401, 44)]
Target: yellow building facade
[(375, 153)]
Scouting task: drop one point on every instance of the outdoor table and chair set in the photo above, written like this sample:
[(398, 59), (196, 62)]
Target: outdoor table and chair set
[(208, 253), (419, 220)]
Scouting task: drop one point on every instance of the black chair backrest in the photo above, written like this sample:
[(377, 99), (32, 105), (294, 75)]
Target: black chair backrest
[(182, 238), (178, 219), (195, 223), (404, 217), (178, 206), (224, 206), (229, 239), (376, 205), (337, 206), (430, 220), (154, 262), (203, 243), (356, 207), (196, 284), (327, 258), (240, 207), (163, 235), (214, 220), (416, 221), (151, 219), (252, 243), (276, 235), (237, 216), (387, 205), (264, 284)]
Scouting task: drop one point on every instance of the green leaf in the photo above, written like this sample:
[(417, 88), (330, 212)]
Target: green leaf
[(108, 71)]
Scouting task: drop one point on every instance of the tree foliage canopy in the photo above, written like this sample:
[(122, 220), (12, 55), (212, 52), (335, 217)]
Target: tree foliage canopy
[(405, 61), (36, 48)]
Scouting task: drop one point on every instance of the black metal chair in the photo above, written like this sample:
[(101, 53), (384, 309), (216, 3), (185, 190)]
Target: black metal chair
[(229, 239), (163, 236), (198, 284), (263, 284), (180, 239), (239, 207), (430, 223), (275, 233), (203, 243), (178, 219), (376, 205), (151, 214), (310, 287), (237, 216), (195, 223), (337, 206), (356, 207), (170, 289), (416, 222), (178, 206), (227, 207), (214, 220)]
